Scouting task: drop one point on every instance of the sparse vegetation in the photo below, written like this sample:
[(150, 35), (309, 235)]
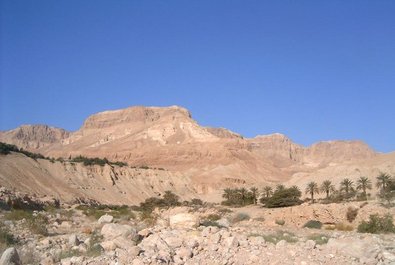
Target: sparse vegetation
[(320, 239), (351, 214), (377, 224), (240, 217), (279, 222), (6, 238), (240, 197), (280, 235), (313, 224), (343, 227)]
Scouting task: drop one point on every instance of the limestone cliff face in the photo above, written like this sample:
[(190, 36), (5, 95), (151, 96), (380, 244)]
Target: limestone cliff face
[(34, 137)]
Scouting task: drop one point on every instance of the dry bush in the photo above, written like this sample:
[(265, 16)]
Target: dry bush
[(351, 214)]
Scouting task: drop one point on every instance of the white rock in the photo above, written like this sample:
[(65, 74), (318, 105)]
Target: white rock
[(105, 219), (184, 220), (73, 240), (10, 257), (111, 231)]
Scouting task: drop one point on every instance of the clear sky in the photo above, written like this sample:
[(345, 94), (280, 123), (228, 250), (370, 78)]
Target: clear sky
[(313, 70)]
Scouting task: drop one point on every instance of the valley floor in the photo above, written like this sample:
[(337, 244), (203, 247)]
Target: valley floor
[(202, 235)]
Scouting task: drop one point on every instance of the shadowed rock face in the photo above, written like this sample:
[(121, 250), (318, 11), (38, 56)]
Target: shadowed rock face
[(198, 159)]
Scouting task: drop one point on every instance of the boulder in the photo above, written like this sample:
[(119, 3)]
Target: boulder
[(184, 221), (10, 257), (105, 219), (73, 240), (112, 231)]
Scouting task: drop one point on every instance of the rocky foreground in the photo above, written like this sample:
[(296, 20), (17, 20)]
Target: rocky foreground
[(199, 235)]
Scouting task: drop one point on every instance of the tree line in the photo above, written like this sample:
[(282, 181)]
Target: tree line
[(281, 196)]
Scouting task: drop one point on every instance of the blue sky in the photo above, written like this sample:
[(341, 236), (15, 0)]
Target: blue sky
[(313, 70)]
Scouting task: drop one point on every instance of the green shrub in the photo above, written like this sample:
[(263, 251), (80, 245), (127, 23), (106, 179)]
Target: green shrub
[(319, 239), (240, 217), (377, 224), (284, 197), (314, 224), (280, 222), (16, 215), (197, 202)]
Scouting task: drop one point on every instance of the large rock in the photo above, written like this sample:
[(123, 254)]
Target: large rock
[(184, 220), (105, 219), (359, 249), (112, 231), (10, 257)]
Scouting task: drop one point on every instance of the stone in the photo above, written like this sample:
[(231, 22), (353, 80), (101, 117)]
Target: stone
[(223, 222), (134, 251), (105, 219), (108, 245), (112, 231), (184, 221), (231, 242), (281, 244), (10, 257), (73, 240), (184, 254), (310, 244)]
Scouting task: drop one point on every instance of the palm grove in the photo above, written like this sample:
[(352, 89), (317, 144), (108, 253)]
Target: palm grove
[(282, 196)]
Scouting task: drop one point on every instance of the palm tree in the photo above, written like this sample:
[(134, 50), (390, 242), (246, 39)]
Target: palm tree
[(346, 185), (312, 187), (383, 180), (268, 191), (364, 183), (243, 194), (227, 194), (279, 187), (255, 194), (327, 187)]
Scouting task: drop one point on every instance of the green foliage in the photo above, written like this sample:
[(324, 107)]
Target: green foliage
[(377, 224), (118, 212), (16, 215), (284, 197), (311, 189), (239, 197), (280, 235), (327, 187), (351, 214), (5, 149), (210, 223), (169, 200), (196, 202), (313, 224), (96, 161)]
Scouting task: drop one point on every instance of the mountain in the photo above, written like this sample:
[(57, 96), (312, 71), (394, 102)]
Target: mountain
[(199, 160)]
